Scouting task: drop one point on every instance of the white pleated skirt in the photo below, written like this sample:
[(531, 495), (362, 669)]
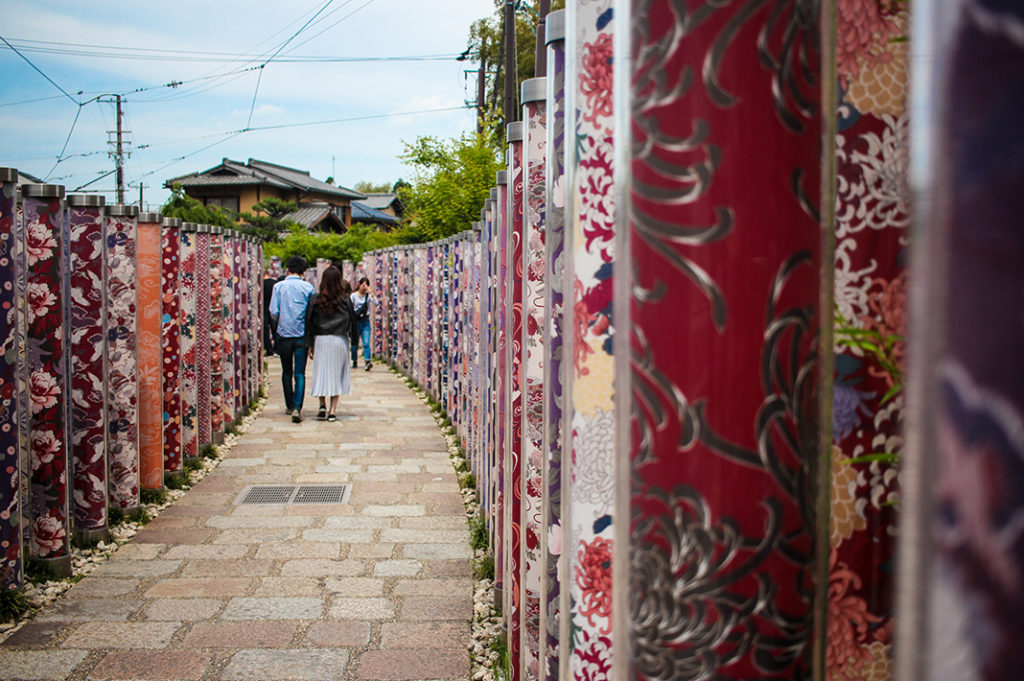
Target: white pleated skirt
[(330, 367)]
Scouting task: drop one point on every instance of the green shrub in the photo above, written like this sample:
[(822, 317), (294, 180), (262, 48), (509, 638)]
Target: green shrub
[(154, 496), (13, 604)]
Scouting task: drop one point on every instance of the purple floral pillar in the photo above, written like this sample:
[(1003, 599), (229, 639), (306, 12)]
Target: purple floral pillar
[(513, 393), (239, 321), (11, 553), (122, 357), (170, 337), (227, 336), (501, 392), (553, 368), (188, 313), (588, 404), (960, 613), (719, 304), (87, 342), (535, 169), (216, 294), (202, 335), (44, 225)]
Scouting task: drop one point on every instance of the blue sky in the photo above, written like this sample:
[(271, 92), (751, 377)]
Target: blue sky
[(159, 43)]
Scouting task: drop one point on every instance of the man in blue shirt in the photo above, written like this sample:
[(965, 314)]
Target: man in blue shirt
[(288, 303)]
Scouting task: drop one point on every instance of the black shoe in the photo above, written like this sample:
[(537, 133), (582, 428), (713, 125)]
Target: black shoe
[(355, 365), (297, 416), (321, 414), (369, 365), (332, 417)]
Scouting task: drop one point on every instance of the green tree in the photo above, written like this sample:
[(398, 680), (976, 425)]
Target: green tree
[(485, 44), (189, 209), (451, 181), (269, 221), (334, 247), (372, 187)]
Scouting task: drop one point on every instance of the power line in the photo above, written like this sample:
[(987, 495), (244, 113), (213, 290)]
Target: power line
[(40, 72)]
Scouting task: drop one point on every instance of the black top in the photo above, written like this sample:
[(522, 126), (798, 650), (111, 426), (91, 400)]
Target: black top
[(337, 322)]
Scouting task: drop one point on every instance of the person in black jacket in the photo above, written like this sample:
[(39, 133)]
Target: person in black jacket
[(329, 328)]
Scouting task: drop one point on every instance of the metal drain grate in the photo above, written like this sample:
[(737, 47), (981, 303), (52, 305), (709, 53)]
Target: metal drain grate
[(293, 494)]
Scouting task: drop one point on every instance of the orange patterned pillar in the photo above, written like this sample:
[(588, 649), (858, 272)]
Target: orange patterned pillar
[(150, 355)]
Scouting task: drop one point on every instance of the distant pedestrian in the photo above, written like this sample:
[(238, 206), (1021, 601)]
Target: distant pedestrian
[(269, 330), (328, 330), (361, 301), (288, 303)]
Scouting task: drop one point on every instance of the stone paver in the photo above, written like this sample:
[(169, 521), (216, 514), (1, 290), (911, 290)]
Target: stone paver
[(286, 665), (376, 589), (51, 664)]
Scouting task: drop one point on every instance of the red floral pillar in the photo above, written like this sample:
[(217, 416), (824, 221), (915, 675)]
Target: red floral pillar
[(122, 357), (722, 126), (88, 432), (44, 225), (151, 441), (188, 326), (216, 341), (960, 613), (239, 321), (535, 115), (513, 432), (170, 337), (11, 552), (203, 292), (872, 216), (227, 337)]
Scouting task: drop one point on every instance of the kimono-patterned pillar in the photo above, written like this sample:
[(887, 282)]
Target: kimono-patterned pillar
[(554, 230), (348, 272), (86, 346), (501, 393), (44, 219), (961, 563), (240, 321), (513, 394), (216, 294), (721, 288), (170, 336), (189, 351), (122, 357), (870, 291), (321, 265), (227, 337), (255, 326), (150, 357), (202, 336), (535, 169), (589, 422), (11, 553)]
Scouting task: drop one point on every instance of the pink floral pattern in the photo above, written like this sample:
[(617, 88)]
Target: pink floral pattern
[(45, 426), (188, 309), (216, 295), (203, 290)]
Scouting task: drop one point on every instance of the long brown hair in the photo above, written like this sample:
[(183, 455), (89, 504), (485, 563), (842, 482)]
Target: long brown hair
[(330, 289)]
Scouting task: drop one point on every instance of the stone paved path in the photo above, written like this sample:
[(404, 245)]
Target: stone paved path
[(377, 588)]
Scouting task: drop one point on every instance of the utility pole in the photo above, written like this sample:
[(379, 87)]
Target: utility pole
[(142, 206), (119, 155), (481, 82), (510, 62), (541, 61)]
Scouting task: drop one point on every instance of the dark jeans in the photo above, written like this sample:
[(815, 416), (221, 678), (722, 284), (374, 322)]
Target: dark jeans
[(293, 350), (362, 333)]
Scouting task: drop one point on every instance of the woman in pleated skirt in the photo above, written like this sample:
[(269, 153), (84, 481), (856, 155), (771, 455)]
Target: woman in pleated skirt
[(328, 329)]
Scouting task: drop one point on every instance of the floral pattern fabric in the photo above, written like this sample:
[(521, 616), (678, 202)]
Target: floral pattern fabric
[(122, 362), (871, 237), (88, 433), (587, 526), (11, 556), (188, 320), (216, 294), (170, 336), (203, 349)]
